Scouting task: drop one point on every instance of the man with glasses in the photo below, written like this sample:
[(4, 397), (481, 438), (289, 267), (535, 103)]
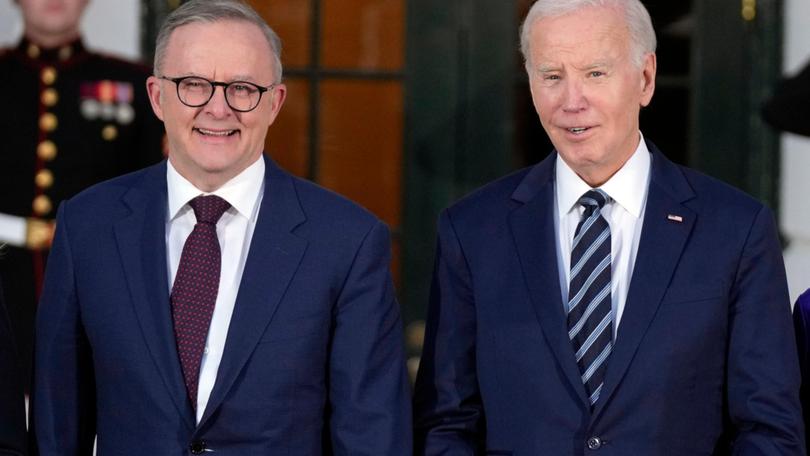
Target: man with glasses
[(215, 303)]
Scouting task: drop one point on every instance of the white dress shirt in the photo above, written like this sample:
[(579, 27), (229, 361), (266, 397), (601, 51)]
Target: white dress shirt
[(624, 213), (235, 231)]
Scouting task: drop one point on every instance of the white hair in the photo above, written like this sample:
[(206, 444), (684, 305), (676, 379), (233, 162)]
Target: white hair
[(637, 18)]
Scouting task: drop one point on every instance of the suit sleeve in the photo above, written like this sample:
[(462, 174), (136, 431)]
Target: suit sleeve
[(369, 391), (63, 400), (448, 413), (763, 372), (12, 407), (801, 325)]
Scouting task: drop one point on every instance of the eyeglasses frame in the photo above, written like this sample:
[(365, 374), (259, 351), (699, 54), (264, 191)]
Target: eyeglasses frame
[(215, 84)]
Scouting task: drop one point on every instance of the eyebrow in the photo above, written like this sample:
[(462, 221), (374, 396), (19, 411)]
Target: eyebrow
[(547, 68), (243, 77), (597, 64), (238, 77)]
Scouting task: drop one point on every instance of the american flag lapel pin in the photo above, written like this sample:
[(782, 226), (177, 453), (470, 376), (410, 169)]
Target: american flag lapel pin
[(675, 218)]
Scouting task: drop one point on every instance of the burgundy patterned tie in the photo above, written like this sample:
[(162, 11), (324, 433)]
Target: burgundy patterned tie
[(195, 288)]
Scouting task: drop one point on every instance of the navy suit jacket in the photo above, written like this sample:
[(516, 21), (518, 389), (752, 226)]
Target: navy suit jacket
[(801, 322), (12, 407), (704, 361), (313, 362)]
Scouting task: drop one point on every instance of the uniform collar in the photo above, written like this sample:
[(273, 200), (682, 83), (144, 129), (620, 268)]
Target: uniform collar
[(51, 56)]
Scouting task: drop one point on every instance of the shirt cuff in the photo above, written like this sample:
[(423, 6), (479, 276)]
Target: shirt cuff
[(12, 230)]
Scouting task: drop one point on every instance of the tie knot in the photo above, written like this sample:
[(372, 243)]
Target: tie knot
[(209, 208), (593, 199)]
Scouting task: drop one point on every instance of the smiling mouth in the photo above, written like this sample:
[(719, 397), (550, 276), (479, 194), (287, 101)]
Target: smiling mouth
[(578, 130), (219, 133)]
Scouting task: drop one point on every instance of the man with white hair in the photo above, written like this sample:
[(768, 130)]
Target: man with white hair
[(605, 300)]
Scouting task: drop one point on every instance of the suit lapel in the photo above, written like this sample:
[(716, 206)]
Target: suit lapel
[(275, 253), (532, 224), (142, 246), (662, 241)]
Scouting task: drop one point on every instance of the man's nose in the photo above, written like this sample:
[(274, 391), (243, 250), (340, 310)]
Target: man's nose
[(574, 96), (217, 106)]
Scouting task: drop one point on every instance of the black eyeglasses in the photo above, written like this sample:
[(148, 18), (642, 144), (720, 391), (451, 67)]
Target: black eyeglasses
[(241, 96)]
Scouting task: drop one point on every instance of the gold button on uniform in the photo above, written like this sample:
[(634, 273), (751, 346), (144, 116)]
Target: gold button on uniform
[(48, 122), (44, 179), (46, 150), (42, 205), (65, 52), (109, 133), (49, 97), (33, 51), (48, 75)]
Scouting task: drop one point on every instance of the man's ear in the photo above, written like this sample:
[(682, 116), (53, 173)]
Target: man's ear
[(279, 94), (648, 70), (154, 90)]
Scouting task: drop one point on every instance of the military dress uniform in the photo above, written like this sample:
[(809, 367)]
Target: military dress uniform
[(72, 118)]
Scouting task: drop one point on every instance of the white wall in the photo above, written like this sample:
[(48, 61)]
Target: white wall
[(795, 185), (110, 26)]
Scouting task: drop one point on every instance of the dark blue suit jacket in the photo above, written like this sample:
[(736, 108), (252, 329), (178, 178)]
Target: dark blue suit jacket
[(704, 361), (12, 406), (313, 362), (801, 322)]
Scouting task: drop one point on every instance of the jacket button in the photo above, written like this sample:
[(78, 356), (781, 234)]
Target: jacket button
[(46, 150), (44, 179), (48, 122), (49, 97), (42, 205), (197, 447), (48, 75), (594, 443)]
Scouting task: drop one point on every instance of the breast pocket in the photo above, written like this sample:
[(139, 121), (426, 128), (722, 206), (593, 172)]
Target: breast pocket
[(695, 292), (285, 329)]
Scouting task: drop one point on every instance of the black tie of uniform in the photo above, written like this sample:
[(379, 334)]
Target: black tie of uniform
[(590, 319)]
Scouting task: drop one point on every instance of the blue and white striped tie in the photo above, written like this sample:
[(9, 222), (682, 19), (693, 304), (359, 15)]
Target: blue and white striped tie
[(590, 320)]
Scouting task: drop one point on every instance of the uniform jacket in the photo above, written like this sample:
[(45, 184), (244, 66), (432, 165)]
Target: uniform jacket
[(73, 118)]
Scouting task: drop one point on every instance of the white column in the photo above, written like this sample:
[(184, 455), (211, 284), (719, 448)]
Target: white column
[(795, 185)]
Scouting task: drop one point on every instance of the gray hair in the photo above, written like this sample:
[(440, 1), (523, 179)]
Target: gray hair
[(210, 11), (639, 24)]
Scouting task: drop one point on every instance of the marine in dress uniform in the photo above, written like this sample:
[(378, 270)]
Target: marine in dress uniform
[(72, 118)]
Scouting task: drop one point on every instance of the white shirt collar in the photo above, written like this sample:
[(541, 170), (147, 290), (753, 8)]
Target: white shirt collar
[(628, 187), (242, 191)]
